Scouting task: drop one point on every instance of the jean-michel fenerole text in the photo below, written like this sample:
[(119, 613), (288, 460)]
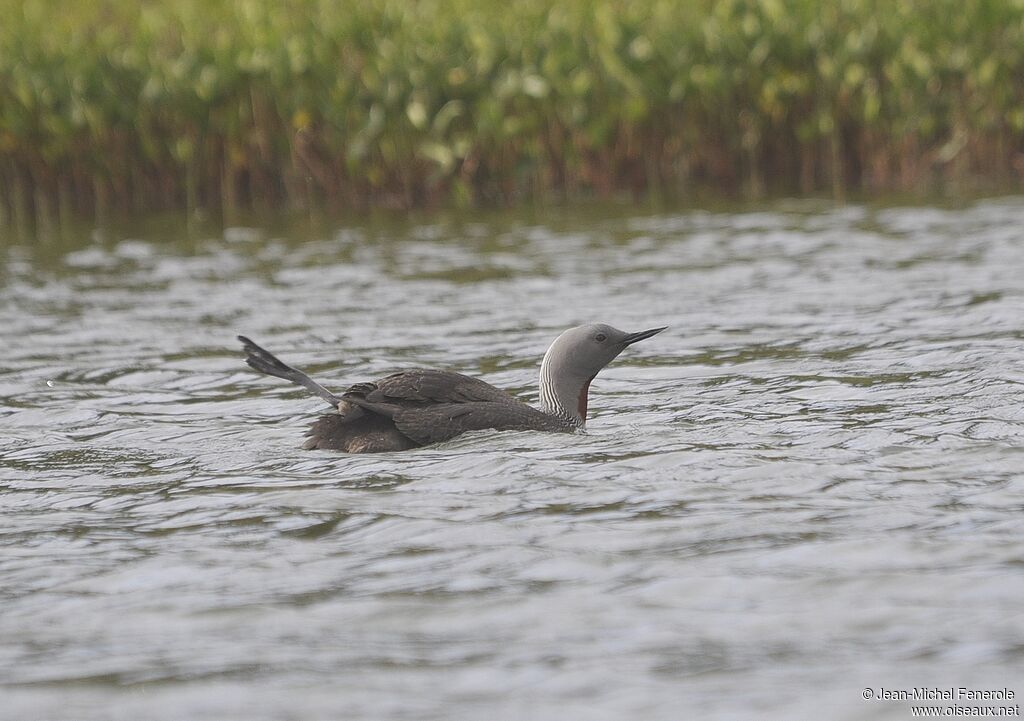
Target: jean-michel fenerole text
[(944, 694)]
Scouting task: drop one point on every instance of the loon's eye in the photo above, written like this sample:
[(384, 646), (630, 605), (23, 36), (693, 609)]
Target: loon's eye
[(600, 337)]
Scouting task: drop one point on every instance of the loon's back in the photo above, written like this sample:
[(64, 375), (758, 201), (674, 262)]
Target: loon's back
[(407, 409)]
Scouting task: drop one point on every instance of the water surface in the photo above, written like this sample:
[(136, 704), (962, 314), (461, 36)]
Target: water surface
[(811, 484)]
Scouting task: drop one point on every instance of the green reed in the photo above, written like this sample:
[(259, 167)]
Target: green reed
[(114, 105)]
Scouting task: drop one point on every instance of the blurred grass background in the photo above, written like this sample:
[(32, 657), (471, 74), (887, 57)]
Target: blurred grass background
[(137, 105)]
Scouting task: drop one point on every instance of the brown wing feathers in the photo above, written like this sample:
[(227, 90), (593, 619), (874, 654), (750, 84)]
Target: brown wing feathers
[(406, 409)]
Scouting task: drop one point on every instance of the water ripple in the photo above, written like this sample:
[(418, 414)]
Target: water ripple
[(810, 484)]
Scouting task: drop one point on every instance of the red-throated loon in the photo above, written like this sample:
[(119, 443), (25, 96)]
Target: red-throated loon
[(417, 407)]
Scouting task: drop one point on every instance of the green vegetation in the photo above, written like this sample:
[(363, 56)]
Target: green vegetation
[(141, 104)]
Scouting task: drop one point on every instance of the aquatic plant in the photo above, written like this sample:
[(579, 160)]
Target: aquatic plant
[(122, 105)]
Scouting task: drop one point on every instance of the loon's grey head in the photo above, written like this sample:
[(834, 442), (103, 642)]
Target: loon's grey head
[(574, 359)]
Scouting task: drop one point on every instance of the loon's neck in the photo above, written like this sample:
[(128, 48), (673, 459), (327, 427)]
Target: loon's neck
[(562, 395)]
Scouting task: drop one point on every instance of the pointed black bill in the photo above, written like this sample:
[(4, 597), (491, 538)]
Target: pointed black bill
[(642, 335)]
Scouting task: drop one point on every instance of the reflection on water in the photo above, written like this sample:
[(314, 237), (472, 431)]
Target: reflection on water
[(809, 485)]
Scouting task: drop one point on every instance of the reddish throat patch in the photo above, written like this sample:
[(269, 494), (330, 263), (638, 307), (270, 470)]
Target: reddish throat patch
[(582, 404)]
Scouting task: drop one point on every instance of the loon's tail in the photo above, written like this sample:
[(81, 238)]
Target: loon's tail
[(266, 362)]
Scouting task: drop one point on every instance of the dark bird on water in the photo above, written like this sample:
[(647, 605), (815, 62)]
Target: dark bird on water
[(417, 407)]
